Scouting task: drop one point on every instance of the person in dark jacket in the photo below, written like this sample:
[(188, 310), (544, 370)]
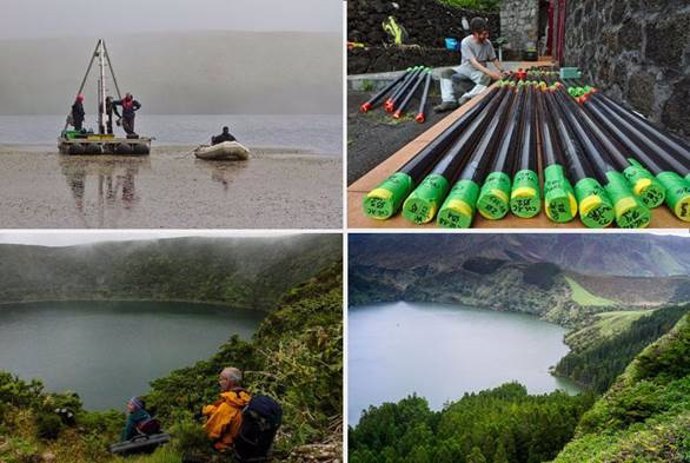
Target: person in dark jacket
[(136, 415), (109, 109), (225, 136), (78, 112), (129, 106)]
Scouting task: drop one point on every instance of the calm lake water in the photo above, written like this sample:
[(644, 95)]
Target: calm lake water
[(109, 351), (442, 351), (322, 134)]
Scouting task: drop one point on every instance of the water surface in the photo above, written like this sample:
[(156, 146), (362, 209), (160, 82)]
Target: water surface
[(109, 351), (321, 134), (441, 352)]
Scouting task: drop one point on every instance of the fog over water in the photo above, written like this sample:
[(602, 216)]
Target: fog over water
[(190, 72)]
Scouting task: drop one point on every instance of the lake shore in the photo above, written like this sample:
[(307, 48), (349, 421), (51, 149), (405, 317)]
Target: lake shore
[(276, 188)]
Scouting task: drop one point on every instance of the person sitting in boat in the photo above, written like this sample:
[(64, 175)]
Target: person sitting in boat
[(139, 421), (225, 136), (129, 106), (78, 112), (224, 416)]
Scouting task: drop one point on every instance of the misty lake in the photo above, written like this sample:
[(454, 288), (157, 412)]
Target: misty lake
[(442, 351), (109, 351)]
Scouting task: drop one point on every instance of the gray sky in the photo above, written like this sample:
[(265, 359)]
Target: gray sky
[(69, 238), (58, 18)]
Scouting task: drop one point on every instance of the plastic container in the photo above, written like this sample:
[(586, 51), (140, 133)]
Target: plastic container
[(451, 43), (570, 73)]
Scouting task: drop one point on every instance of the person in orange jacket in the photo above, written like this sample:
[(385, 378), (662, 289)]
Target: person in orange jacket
[(224, 416)]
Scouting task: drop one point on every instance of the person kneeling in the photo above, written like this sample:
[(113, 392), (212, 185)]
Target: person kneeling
[(476, 50)]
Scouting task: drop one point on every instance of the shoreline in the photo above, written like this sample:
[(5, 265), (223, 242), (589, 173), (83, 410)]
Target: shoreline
[(14, 148), (119, 299)]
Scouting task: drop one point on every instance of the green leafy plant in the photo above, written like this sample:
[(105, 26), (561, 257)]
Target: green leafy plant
[(482, 5)]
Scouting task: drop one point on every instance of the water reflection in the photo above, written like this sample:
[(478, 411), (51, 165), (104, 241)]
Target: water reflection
[(222, 172), (105, 184)]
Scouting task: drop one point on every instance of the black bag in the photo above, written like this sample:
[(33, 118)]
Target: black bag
[(149, 427), (261, 419)]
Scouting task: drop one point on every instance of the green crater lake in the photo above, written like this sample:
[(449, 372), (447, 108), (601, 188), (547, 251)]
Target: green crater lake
[(442, 351), (109, 351)]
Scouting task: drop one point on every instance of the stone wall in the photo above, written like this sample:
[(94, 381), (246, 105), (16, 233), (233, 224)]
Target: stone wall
[(427, 22), (519, 24), (638, 51)]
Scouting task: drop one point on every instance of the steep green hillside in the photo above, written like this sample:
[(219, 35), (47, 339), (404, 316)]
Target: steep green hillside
[(538, 288), (645, 415), (296, 356), (600, 351), (242, 272)]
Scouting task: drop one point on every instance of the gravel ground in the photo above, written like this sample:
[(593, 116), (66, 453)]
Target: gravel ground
[(374, 136), (168, 189)]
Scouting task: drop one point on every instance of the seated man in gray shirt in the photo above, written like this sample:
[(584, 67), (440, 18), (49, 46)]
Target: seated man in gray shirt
[(476, 50)]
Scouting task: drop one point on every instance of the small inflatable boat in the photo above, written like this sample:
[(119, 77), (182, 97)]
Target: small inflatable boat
[(227, 150)]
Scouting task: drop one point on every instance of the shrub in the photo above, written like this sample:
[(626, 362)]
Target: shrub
[(48, 425)]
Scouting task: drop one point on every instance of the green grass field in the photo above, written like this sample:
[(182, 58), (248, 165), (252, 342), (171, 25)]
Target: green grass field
[(584, 297), (606, 325)]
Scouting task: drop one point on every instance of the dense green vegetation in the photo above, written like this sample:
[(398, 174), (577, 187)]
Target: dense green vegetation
[(597, 362), (500, 425), (645, 415), (584, 297), (240, 272), (296, 356)]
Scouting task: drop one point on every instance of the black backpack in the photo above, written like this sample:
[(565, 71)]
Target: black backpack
[(261, 419)]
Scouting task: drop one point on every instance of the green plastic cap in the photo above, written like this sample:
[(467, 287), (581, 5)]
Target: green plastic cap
[(627, 208), (458, 209), (525, 200), (423, 203), (677, 194), (645, 186), (494, 197), (560, 204), (384, 201), (594, 205)]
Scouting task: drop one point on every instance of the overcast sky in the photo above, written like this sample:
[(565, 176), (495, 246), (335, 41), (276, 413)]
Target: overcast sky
[(69, 238), (58, 18)]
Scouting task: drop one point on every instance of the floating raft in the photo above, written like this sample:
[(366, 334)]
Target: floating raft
[(73, 142)]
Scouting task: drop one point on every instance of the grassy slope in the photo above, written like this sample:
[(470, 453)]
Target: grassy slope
[(645, 415), (605, 325), (584, 297)]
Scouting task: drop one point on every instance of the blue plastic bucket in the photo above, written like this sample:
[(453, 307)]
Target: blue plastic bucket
[(451, 43)]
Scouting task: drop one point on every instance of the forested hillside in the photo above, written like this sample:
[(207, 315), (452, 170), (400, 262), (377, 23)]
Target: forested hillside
[(500, 425), (240, 272), (645, 415), (296, 357), (597, 357)]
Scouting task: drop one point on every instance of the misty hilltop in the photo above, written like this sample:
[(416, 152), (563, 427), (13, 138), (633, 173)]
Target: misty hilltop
[(218, 72)]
